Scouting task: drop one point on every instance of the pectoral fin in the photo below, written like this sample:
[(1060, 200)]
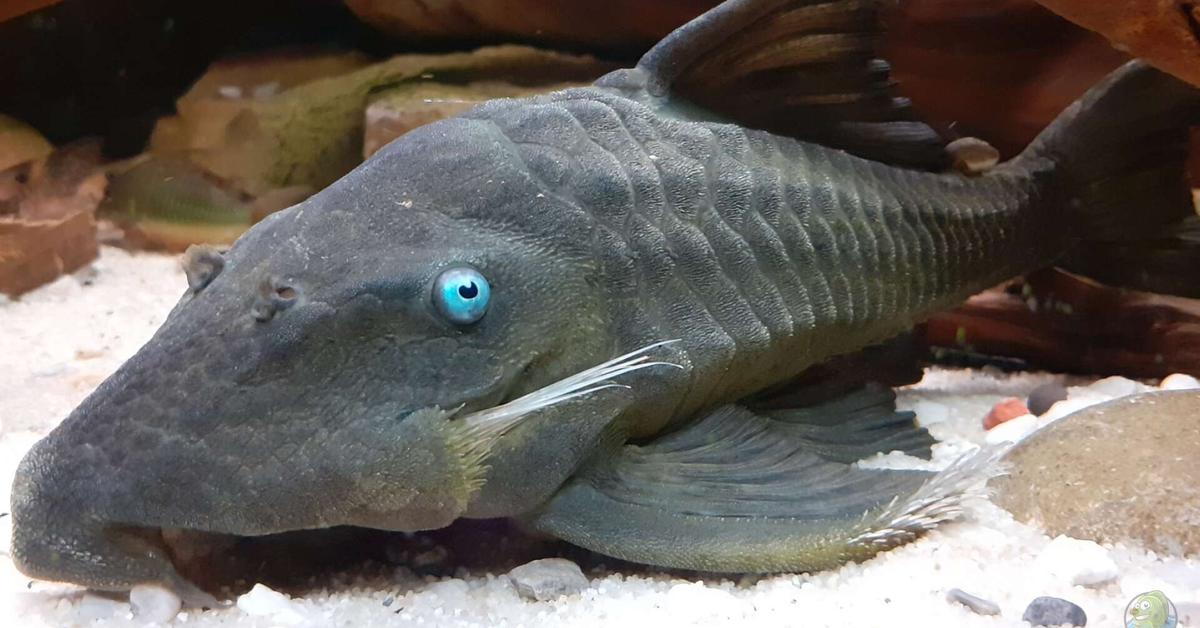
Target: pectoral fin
[(855, 426), (742, 492)]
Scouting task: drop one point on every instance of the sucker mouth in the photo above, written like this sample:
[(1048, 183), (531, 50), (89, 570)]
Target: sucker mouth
[(178, 549), (227, 565), (187, 546)]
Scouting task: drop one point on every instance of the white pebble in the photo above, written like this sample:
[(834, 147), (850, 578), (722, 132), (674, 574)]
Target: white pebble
[(1082, 563), (931, 412), (94, 608), (1115, 386), (1012, 430), (262, 601), (154, 603), (1179, 381), (975, 603), (1070, 405)]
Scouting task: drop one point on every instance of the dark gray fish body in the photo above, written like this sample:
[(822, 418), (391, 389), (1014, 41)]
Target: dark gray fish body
[(554, 308), (764, 254)]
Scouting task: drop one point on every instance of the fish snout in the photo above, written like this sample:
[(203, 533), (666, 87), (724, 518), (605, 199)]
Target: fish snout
[(58, 536)]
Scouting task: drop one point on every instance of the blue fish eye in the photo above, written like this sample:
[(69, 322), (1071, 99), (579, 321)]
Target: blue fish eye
[(461, 294)]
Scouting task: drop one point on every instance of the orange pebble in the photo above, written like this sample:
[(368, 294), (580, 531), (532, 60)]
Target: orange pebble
[(1006, 410)]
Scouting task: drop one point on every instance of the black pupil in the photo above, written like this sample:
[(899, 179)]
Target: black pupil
[(468, 292)]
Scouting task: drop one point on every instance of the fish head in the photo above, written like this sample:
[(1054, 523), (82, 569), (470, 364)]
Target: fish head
[(324, 371)]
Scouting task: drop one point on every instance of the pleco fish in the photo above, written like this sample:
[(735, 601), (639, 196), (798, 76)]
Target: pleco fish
[(555, 308)]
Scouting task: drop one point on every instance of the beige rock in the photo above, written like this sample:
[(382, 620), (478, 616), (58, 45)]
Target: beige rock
[(630, 25), (259, 137), (1163, 32), (1124, 470), (230, 86), (47, 216), (20, 143)]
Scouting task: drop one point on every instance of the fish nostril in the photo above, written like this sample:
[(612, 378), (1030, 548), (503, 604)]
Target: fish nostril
[(201, 264), (286, 292), (274, 296)]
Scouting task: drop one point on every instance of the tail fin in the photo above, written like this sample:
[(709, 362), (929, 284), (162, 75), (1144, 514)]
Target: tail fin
[(1121, 150), (1167, 265)]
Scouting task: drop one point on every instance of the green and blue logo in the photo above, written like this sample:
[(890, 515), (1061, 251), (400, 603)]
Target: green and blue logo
[(1151, 610)]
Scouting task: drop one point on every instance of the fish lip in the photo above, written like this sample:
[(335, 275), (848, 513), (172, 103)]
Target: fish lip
[(175, 579)]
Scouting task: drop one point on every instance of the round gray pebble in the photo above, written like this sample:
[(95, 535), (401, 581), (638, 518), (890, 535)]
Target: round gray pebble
[(1044, 396), (548, 578), (976, 604), (1054, 611)]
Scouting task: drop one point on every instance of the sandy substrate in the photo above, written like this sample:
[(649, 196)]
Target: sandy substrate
[(58, 343)]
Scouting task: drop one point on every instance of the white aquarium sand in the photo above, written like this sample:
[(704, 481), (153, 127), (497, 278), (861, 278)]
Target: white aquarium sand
[(59, 342)]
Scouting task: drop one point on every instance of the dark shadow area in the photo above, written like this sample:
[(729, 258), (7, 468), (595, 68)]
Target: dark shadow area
[(305, 561), (110, 68)]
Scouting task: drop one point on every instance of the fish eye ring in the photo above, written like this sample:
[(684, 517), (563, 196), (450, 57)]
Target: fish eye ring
[(461, 294)]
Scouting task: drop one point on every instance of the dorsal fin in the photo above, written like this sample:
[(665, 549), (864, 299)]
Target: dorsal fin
[(809, 69)]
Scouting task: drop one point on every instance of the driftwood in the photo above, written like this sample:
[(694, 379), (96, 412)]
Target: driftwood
[(1165, 33), (622, 26), (1059, 321)]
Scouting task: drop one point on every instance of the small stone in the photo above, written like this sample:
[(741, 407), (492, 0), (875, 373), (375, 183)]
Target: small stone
[(977, 605), (1054, 611), (931, 412), (153, 603), (1179, 381), (262, 601), (1012, 431), (95, 608), (1041, 398), (1006, 410), (548, 579), (1115, 386), (1084, 563), (1065, 407)]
